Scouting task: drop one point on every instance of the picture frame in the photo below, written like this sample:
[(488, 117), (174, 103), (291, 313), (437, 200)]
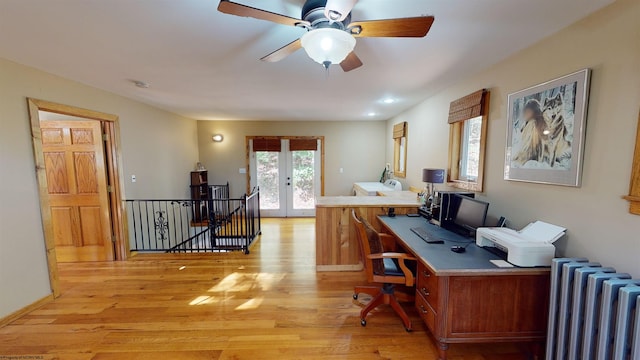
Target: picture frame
[(546, 126)]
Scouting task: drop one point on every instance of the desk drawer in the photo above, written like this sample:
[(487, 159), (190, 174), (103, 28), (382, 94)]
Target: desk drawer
[(427, 285), (427, 313)]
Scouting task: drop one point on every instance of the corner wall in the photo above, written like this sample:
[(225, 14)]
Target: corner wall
[(357, 147), (599, 224), (155, 145)]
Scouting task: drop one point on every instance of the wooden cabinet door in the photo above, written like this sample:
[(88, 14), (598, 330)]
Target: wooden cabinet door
[(77, 187)]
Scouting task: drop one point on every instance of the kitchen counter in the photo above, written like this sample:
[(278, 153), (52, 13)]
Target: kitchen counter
[(337, 247), (368, 201), (405, 194)]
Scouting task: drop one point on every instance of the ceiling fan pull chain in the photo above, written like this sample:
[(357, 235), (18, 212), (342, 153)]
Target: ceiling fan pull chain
[(326, 65)]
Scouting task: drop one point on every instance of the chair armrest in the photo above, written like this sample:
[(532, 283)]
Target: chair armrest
[(408, 275), (391, 255), (388, 242)]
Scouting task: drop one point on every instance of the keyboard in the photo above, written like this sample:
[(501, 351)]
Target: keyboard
[(424, 235)]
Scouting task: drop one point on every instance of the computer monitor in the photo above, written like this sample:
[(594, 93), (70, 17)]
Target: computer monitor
[(471, 213)]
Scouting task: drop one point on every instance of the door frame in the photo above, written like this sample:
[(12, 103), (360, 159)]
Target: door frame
[(248, 153), (111, 129)]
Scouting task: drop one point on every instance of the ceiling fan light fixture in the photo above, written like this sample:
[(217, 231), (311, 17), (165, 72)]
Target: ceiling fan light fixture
[(328, 45)]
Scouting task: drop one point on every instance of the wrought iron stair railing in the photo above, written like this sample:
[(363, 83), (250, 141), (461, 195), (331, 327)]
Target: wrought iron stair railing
[(175, 225)]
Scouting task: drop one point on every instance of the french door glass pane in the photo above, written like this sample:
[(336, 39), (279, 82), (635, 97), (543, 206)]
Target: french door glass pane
[(302, 182), (268, 179)]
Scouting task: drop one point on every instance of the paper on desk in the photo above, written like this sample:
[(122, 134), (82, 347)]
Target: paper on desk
[(501, 263), (542, 231)]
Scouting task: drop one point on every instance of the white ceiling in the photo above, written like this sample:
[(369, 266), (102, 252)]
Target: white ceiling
[(205, 65)]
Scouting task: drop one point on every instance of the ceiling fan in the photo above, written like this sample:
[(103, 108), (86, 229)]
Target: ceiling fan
[(330, 37)]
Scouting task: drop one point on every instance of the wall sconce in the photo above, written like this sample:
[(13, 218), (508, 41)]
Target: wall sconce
[(217, 138)]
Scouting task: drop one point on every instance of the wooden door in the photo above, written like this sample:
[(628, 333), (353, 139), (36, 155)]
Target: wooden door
[(77, 187)]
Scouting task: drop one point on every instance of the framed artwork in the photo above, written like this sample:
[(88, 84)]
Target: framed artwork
[(546, 127)]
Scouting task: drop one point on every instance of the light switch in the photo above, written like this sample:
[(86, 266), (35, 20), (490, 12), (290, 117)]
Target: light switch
[(133, 178), (243, 170), (341, 170)]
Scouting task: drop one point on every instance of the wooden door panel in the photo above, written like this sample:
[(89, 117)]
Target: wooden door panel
[(86, 173), (56, 167), (77, 187), (82, 136), (52, 136), (91, 225), (64, 225)]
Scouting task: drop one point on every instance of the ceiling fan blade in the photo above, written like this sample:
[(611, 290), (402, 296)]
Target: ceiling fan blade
[(337, 10), (229, 7), (351, 62), (403, 27), (283, 52)]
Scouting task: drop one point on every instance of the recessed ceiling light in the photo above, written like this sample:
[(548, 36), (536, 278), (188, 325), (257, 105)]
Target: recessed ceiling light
[(140, 84), (388, 100), (371, 114)]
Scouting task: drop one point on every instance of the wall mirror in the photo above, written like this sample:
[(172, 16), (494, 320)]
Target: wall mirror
[(467, 140), (400, 149)]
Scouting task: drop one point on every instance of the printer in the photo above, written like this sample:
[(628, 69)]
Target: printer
[(532, 246)]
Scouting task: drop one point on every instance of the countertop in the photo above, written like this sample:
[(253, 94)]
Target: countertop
[(404, 194), (366, 201)]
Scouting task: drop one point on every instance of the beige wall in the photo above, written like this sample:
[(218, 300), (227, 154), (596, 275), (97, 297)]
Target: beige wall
[(599, 224), (357, 147), (159, 147)]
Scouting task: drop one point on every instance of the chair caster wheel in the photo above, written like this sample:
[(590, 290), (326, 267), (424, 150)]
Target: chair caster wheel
[(408, 330), (355, 296), (363, 322)]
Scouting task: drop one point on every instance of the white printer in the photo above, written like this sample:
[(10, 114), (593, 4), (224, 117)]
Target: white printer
[(529, 247)]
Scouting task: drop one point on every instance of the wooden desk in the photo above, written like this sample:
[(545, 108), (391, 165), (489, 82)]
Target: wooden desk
[(464, 298), (337, 247)]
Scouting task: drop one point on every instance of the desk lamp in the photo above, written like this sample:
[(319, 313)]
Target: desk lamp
[(432, 176)]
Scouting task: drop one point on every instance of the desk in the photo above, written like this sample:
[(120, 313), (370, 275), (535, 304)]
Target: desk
[(464, 298)]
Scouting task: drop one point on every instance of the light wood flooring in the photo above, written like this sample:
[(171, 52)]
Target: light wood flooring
[(270, 304)]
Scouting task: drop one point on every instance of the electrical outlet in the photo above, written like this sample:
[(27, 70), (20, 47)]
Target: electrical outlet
[(242, 170)]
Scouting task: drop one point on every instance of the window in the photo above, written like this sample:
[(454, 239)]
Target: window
[(467, 138), (470, 149), (400, 150)]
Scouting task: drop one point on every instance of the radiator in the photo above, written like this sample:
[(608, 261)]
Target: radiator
[(594, 312)]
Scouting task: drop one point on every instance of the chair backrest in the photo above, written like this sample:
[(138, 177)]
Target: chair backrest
[(370, 243)]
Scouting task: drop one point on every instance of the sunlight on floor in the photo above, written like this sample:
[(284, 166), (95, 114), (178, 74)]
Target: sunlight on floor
[(238, 283), (241, 282), (251, 304)]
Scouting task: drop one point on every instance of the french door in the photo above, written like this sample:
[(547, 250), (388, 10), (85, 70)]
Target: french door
[(288, 172)]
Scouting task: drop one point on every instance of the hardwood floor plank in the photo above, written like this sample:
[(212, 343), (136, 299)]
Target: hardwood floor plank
[(270, 304)]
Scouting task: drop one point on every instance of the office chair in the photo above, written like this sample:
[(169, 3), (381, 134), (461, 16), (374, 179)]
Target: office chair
[(385, 268)]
